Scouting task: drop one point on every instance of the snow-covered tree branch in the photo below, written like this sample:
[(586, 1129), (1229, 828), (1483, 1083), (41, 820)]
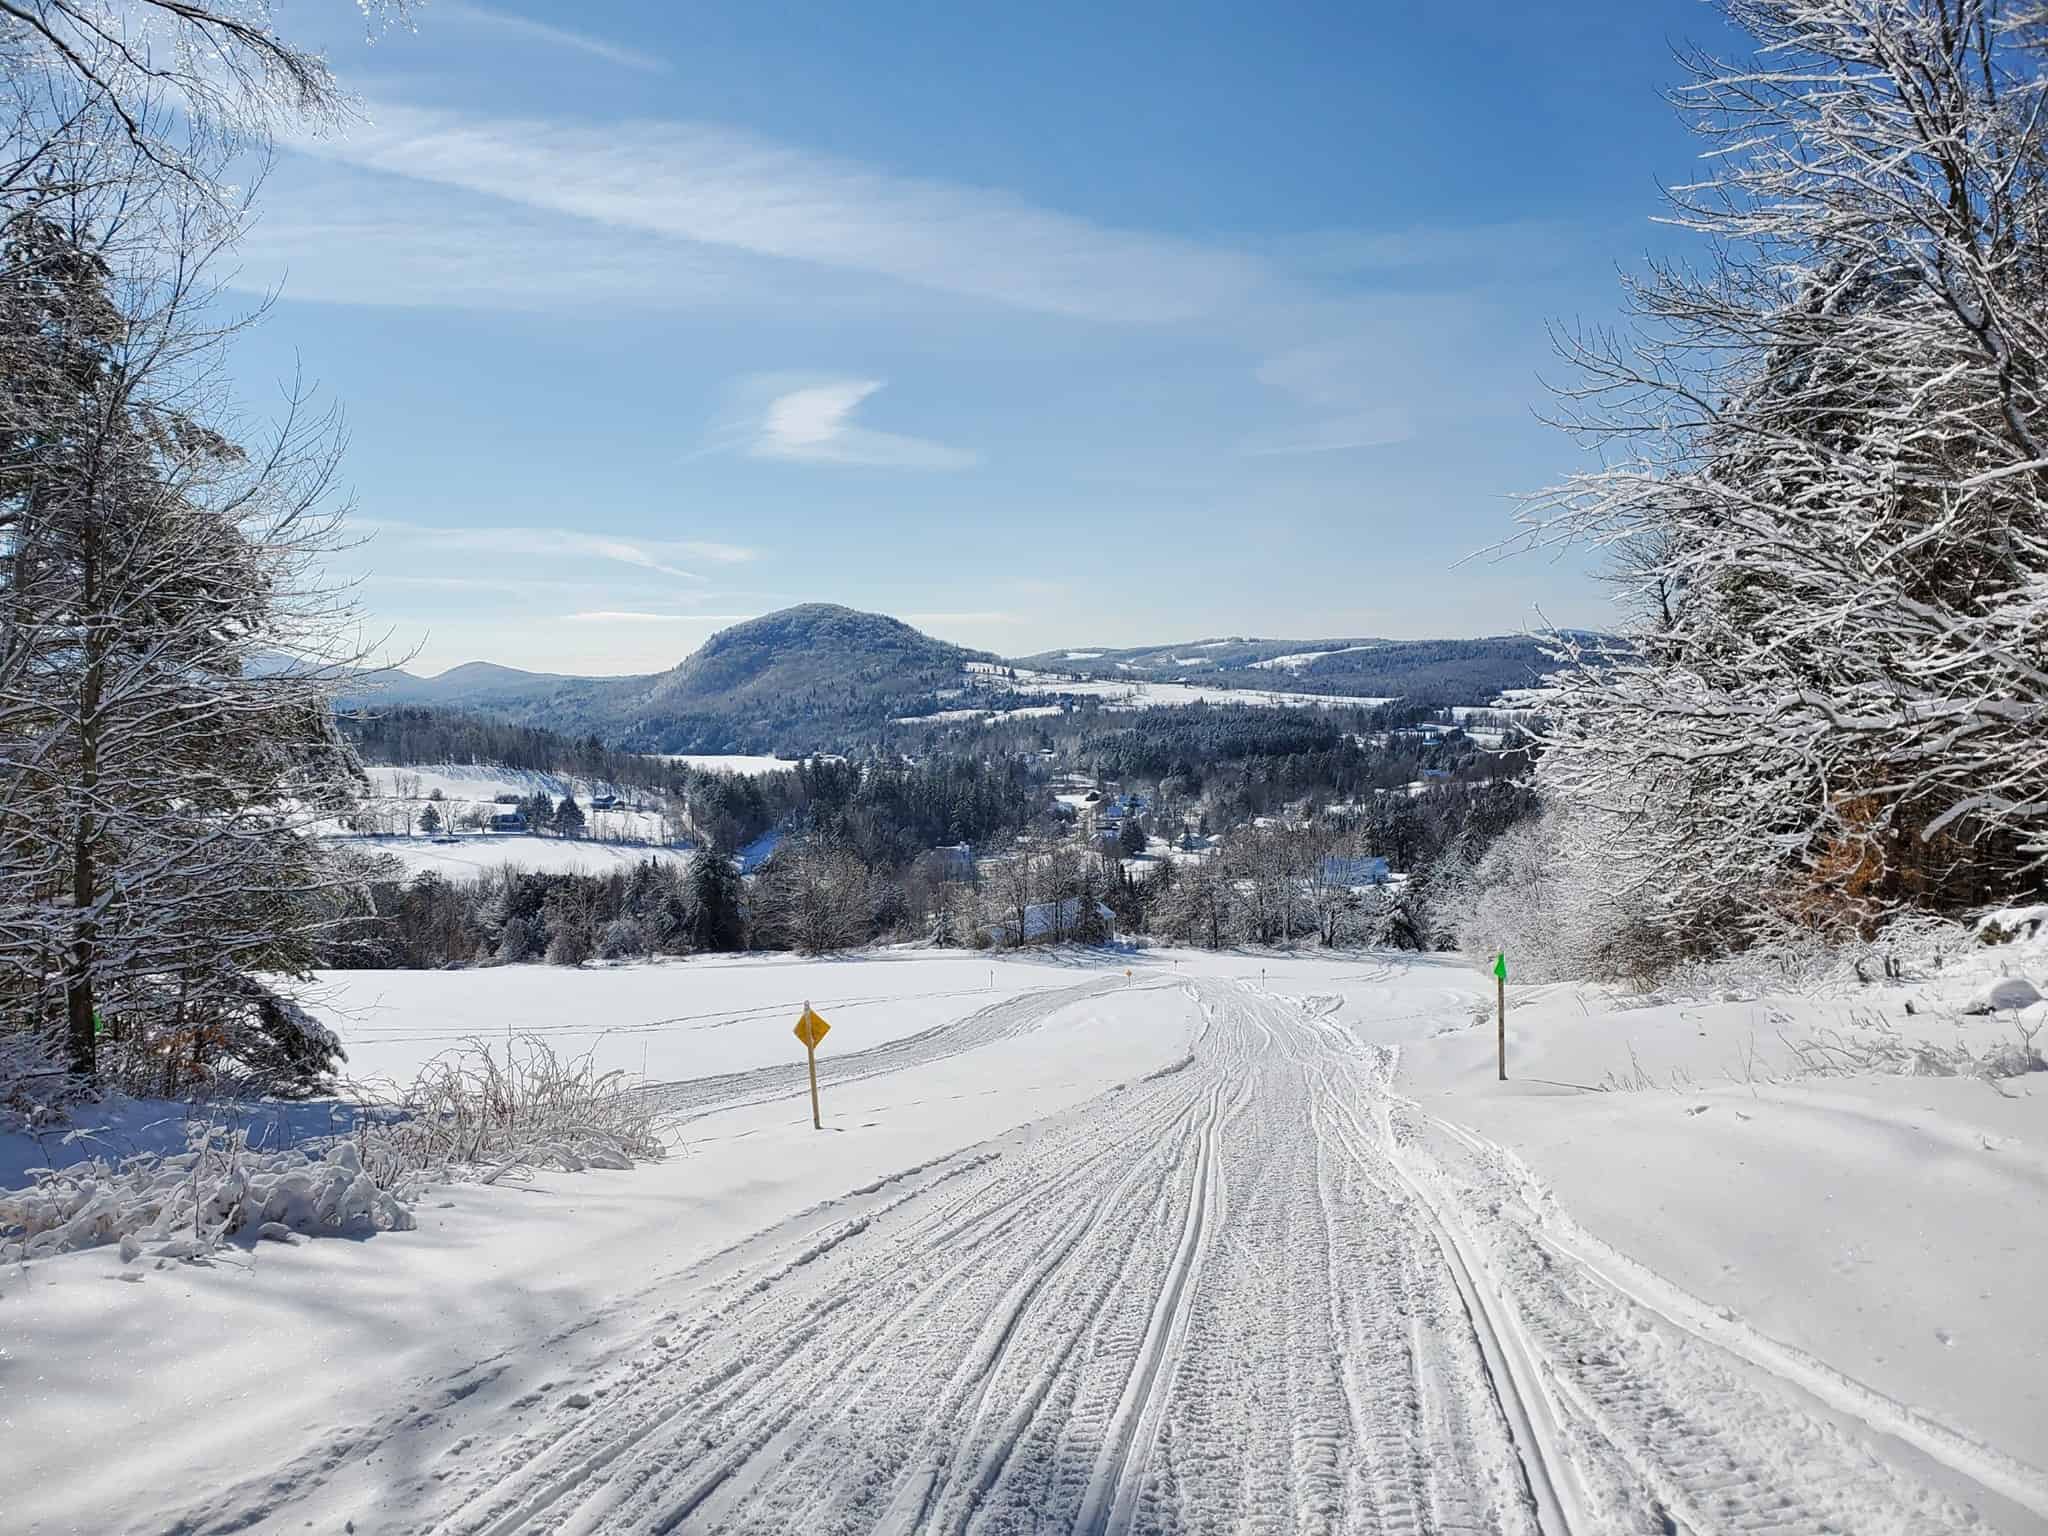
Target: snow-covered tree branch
[(1824, 488)]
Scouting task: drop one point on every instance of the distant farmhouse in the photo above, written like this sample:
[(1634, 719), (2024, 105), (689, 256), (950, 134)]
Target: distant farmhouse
[(509, 821), (1112, 813)]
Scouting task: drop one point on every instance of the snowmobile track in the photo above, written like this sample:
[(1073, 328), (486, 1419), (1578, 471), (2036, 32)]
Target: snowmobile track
[(1259, 1292)]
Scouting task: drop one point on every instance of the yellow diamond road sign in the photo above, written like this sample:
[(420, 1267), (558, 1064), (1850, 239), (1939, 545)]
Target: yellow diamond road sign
[(811, 1028)]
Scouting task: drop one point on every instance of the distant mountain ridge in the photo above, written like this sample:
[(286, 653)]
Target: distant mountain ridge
[(818, 676), (799, 678), (1446, 671), (471, 685)]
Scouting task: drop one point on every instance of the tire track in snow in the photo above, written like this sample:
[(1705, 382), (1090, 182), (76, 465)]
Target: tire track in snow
[(2024, 1485), (1107, 1508), (1235, 1296)]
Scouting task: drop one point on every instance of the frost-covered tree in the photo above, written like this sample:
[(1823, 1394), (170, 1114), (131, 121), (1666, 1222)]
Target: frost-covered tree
[(171, 88), (813, 896), (1825, 491), (167, 649), (159, 770)]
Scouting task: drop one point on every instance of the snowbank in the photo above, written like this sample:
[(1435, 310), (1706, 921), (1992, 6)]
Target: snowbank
[(186, 1205), (1884, 1218)]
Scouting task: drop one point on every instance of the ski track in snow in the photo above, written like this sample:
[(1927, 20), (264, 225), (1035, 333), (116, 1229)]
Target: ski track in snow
[(1253, 1293)]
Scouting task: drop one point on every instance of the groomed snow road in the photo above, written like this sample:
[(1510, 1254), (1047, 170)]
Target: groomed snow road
[(1243, 1294)]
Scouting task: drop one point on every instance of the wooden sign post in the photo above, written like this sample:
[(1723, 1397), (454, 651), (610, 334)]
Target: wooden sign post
[(811, 1029), (1500, 979)]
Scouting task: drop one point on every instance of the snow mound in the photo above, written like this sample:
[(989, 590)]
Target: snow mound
[(2008, 923), (2008, 993), (187, 1204)]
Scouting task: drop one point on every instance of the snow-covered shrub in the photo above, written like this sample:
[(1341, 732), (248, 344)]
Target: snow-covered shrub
[(623, 939), (238, 1037), (187, 1204), (1913, 948), (1873, 1047), (484, 1108), (1537, 895), (33, 1080)]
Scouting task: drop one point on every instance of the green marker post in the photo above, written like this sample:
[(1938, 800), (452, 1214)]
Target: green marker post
[(1500, 981)]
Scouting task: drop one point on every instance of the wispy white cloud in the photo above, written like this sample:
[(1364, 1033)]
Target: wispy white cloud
[(714, 187), (341, 235), (656, 555), (631, 616), (510, 586), (811, 422), (1341, 387), (553, 36)]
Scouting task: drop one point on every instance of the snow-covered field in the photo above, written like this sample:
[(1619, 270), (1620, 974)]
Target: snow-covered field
[(672, 1020), (472, 853), (399, 793), (1124, 693), (1232, 1242), (1300, 659)]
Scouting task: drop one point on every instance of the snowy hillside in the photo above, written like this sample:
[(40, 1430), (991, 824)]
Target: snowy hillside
[(1036, 1269), (1140, 694)]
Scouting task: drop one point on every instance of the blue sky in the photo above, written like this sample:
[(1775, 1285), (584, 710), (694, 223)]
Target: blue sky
[(1041, 325)]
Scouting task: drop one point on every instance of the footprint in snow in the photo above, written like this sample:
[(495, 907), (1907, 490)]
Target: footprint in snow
[(1699, 1109)]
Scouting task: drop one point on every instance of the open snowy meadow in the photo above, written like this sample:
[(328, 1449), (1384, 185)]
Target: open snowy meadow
[(1113, 1241)]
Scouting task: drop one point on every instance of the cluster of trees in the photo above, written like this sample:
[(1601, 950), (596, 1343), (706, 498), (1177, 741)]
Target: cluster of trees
[(422, 734), (889, 812), (1172, 741), (1286, 882), (658, 906), (1825, 502), (168, 647), (1424, 672)]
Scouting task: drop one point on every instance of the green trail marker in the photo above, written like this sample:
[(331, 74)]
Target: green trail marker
[(1500, 982)]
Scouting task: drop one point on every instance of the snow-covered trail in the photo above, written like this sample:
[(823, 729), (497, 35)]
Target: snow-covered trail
[(1241, 1294)]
